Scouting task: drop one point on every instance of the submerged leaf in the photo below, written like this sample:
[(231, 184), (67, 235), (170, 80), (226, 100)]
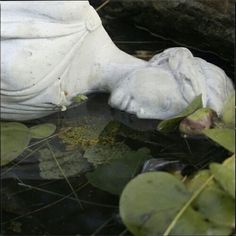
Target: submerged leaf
[(42, 131), (169, 124), (225, 174), (105, 153), (15, 137), (113, 177), (71, 162), (223, 136)]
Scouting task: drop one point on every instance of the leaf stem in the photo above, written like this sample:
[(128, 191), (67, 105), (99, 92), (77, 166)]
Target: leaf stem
[(187, 204), (64, 175)]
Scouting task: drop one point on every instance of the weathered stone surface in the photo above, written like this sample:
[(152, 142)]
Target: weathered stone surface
[(203, 24)]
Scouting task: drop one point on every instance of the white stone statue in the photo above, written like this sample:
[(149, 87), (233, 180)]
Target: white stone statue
[(52, 51)]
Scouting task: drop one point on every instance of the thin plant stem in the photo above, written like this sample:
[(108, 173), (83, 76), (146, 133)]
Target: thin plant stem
[(63, 173), (188, 146), (187, 204), (123, 232), (101, 226), (102, 5), (21, 160), (37, 210), (71, 198), (29, 188)]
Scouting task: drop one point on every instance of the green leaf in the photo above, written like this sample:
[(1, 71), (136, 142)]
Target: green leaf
[(42, 131), (223, 136), (169, 124), (15, 137), (113, 177), (225, 175), (146, 204), (213, 203), (228, 114), (156, 203)]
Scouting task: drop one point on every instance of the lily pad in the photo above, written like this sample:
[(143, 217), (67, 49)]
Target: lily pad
[(113, 177), (169, 124), (15, 137), (150, 204), (42, 131), (223, 136), (225, 175), (213, 203)]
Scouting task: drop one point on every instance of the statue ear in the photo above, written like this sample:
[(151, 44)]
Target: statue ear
[(188, 73)]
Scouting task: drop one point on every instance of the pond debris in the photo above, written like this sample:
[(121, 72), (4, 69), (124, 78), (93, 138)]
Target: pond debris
[(83, 134)]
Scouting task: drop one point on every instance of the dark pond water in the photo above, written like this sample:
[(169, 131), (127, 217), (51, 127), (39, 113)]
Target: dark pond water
[(42, 204), (33, 205)]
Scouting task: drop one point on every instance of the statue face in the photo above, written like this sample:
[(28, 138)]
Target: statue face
[(150, 93)]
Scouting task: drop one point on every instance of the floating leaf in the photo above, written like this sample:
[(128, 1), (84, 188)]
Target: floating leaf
[(225, 175), (213, 203), (156, 203), (223, 136), (42, 131), (146, 204), (15, 137), (228, 116), (113, 177), (169, 124)]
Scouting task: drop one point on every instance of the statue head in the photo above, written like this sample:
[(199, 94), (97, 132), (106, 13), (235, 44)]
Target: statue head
[(148, 93), (169, 82)]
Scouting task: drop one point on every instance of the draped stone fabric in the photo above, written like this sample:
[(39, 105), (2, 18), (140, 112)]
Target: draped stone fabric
[(38, 43), (196, 76)]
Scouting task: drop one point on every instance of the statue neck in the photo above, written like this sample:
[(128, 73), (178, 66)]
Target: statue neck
[(104, 65), (115, 70)]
